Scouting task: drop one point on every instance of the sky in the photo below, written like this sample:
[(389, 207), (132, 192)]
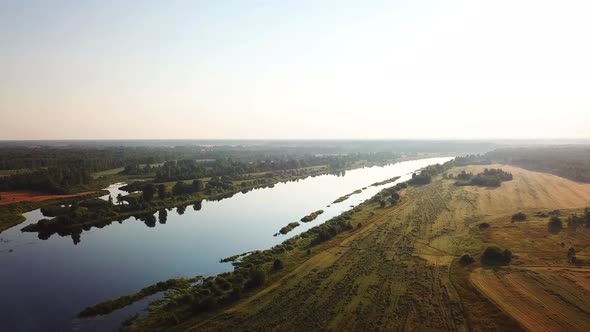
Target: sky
[(294, 69)]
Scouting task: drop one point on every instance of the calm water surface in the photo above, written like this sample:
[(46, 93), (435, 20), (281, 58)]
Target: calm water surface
[(45, 283)]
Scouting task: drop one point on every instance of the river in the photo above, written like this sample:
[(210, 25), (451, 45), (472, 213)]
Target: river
[(45, 283)]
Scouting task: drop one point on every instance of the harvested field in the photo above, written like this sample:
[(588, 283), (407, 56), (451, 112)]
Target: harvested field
[(541, 299), (395, 273)]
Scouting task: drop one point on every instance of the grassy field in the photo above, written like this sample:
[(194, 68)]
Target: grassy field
[(108, 172), (399, 271)]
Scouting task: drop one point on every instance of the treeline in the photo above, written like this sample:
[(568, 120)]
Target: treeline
[(568, 161), (90, 158), (425, 175), (194, 169), (54, 180)]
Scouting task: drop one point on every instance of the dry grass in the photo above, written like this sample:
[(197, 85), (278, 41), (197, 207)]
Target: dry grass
[(541, 299), (396, 272)]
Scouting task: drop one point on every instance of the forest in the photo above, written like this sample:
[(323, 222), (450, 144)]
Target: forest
[(568, 161)]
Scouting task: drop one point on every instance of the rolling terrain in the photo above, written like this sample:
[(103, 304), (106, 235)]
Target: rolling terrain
[(400, 272)]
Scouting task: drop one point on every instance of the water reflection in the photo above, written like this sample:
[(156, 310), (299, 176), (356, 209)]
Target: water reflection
[(162, 216)]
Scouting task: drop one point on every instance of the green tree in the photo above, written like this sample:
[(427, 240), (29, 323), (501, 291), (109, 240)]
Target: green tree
[(555, 225), (161, 191), (198, 185), (148, 192), (277, 264)]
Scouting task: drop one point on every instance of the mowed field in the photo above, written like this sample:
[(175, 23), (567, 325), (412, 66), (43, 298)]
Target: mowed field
[(540, 298), (10, 197), (399, 271)]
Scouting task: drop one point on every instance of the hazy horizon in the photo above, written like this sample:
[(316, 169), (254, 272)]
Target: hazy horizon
[(95, 70)]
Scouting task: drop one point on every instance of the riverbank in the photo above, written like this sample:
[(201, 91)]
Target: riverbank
[(102, 215), (11, 214), (265, 267), (120, 258)]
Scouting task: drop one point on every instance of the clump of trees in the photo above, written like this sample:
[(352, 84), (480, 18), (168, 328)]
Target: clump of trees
[(490, 177), (574, 220), (420, 178), (496, 256)]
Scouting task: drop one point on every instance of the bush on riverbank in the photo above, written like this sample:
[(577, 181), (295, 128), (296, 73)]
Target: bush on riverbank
[(312, 216)]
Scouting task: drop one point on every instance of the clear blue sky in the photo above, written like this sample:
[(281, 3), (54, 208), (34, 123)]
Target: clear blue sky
[(294, 69)]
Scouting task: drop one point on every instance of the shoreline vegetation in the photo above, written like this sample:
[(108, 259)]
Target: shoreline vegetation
[(287, 229), (393, 179), (158, 196), (57, 169), (123, 301), (255, 269), (345, 197), (154, 197), (12, 214), (312, 216)]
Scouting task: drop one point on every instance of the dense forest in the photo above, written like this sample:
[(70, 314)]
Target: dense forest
[(54, 180), (568, 161)]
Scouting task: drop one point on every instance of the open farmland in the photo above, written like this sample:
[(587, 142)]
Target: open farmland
[(396, 272)]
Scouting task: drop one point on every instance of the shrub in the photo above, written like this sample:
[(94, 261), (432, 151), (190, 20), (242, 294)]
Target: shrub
[(496, 256), (466, 259), (277, 264), (519, 217), (484, 225), (256, 278), (571, 256), (555, 225)]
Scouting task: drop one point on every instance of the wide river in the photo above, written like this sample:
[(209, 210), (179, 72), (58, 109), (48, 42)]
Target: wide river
[(45, 283)]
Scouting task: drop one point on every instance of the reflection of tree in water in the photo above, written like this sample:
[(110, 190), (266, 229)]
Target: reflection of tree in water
[(150, 220), (198, 205), (339, 173), (76, 237), (180, 210), (162, 216)]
